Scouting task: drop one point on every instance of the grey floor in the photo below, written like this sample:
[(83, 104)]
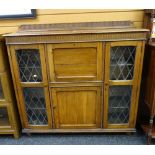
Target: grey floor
[(76, 139)]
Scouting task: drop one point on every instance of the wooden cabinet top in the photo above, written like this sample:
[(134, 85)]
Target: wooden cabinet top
[(76, 32)]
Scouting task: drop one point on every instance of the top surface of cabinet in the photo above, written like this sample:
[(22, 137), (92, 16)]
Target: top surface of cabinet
[(88, 31)]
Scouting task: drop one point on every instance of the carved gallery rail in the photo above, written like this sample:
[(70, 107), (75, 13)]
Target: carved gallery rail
[(77, 78)]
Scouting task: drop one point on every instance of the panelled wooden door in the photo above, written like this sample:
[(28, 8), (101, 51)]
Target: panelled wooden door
[(75, 61), (32, 85), (122, 66), (77, 107)]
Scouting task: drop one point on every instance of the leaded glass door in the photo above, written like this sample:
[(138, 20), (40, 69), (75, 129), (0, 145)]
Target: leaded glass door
[(31, 79), (122, 61)]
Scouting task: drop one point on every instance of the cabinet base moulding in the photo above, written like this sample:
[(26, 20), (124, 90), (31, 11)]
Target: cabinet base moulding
[(79, 130)]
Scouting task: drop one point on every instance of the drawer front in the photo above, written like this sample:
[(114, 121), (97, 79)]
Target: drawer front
[(75, 61), (77, 107)]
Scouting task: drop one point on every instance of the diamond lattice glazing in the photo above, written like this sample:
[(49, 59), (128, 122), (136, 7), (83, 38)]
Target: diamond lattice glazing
[(122, 62), (119, 104), (35, 106), (29, 65)]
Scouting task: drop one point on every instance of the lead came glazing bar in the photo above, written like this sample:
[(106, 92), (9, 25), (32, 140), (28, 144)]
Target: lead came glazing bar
[(35, 106), (122, 62), (29, 65), (119, 104)]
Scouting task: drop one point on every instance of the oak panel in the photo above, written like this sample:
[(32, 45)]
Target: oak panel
[(75, 71), (86, 55), (77, 107)]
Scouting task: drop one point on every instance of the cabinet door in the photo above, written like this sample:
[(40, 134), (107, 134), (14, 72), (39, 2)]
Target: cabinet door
[(75, 61), (122, 65), (77, 107), (31, 80)]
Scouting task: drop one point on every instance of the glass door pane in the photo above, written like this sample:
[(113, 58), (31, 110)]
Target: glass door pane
[(35, 106), (119, 104), (4, 119), (122, 59), (29, 65)]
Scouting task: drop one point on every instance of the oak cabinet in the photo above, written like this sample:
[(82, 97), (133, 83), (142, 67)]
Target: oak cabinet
[(9, 122), (85, 80), (147, 106)]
